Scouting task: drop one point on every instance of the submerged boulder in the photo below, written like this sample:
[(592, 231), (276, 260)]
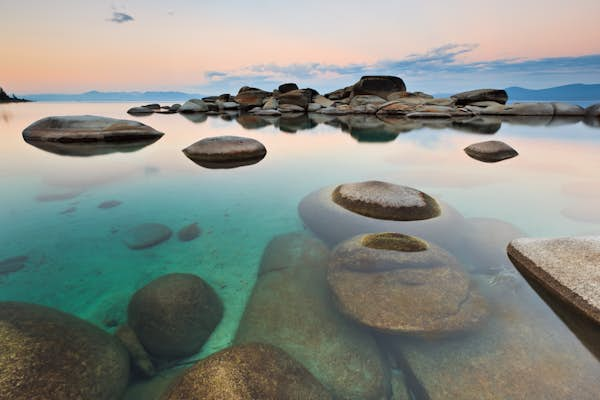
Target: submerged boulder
[(88, 128), (247, 372), (147, 235), (47, 354), (226, 152), (12, 264), (490, 151), (290, 307), (474, 96), (384, 200), (378, 85), (189, 232), (396, 283), (138, 355), (174, 315)]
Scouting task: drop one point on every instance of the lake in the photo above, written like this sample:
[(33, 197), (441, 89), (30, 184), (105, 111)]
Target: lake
[(77, 260)]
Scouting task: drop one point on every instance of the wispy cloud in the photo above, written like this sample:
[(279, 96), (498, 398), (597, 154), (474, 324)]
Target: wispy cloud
[(120, 17), (438, 69)]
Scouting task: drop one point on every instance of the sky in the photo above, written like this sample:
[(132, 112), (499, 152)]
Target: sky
[(211, 47)]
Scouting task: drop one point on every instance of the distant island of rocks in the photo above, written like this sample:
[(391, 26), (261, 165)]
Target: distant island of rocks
[(379, 95), (5, 98)]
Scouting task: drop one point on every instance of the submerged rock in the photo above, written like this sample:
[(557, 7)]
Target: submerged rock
[(247, 372), (473, 96), (566, 267), (396, 283), (383, 200), (13, 264), (47, 354), (139, 357), (189, 232), (226, 152), (378, 85), (88, 128), (290, 307), (147, 235), (174, 315), (109, 204), (490, 151)]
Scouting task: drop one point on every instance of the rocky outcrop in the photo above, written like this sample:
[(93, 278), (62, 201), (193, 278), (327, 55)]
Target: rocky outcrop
[(226, 152), (490, 151), (5, 98), (290, 307), (51, 355), (174, 315), (247, 372)]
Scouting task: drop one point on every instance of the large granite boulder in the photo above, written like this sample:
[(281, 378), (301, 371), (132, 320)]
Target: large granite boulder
[(287, 87), (568, 110), (249, 98), (299, 97), (400, 284), (384, 200), (340, 94), (147, 235), (474, 96), (143, 110), (174, 315), (226, 152), (87, 129), (514, 109), (379, 85), (47, 354), (364, 99), (290, 307), (569, 268), (247, 372), (193, 106), (490, 151)]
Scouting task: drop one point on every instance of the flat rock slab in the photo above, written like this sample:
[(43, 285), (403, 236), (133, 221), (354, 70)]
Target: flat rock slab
[(568, 267), (226, 152), (88, 128), (490, 151)]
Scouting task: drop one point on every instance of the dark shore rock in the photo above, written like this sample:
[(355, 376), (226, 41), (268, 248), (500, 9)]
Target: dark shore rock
[(147, 235), (340, 93), (13, 264), (287, 87), (47, 354), (109, 204), (397, 284), (474, 96), (143, 110), (138, 355), (87, 129), (379, 85), (334, 224), (174, 315), (490, 151), (566, 267), (189, 232), (247, 372), (384, 200), (5, 98), (290, 307), (226, 152)]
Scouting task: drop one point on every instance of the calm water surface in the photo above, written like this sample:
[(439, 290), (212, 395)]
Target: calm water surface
[(79, 264)]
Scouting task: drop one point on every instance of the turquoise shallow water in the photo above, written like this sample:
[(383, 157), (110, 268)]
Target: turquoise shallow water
[(79, 264)]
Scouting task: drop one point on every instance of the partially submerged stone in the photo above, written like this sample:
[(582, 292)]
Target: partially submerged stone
[(193, 106), (422, 292), (384, 200), (569, 268), (174, 315), (87, 129), (490, 151), (473, 96), (147, 235), (47, 354), (247, 372), (290, 307), (143, 110), (226, 152)]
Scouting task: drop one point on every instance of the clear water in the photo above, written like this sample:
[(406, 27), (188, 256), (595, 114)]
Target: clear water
[(79, 264)]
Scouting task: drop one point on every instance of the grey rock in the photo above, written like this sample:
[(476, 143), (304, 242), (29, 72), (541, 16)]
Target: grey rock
[(490, 151), (473, 96)]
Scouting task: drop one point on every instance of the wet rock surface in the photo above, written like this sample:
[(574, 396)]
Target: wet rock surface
[(386, 201), (226, 152), (174, 315), (304, 322), (490, 151), (247, 372), (147, 235), (48, 354), (422, 291)]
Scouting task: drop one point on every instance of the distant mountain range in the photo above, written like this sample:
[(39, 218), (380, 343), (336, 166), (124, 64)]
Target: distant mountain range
[(573, 92)]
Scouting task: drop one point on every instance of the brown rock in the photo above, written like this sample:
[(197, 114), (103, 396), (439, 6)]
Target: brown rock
[(226, 152), (248, 98), (247, 372), (380, 85), (473, 96), (140, 358), (490, 151), (299, 97)]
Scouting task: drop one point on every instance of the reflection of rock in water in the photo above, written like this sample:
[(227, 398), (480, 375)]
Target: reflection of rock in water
[(250, 121), (290, 307), (294, 122), (91, 149), (478, 124), (196, 118)]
